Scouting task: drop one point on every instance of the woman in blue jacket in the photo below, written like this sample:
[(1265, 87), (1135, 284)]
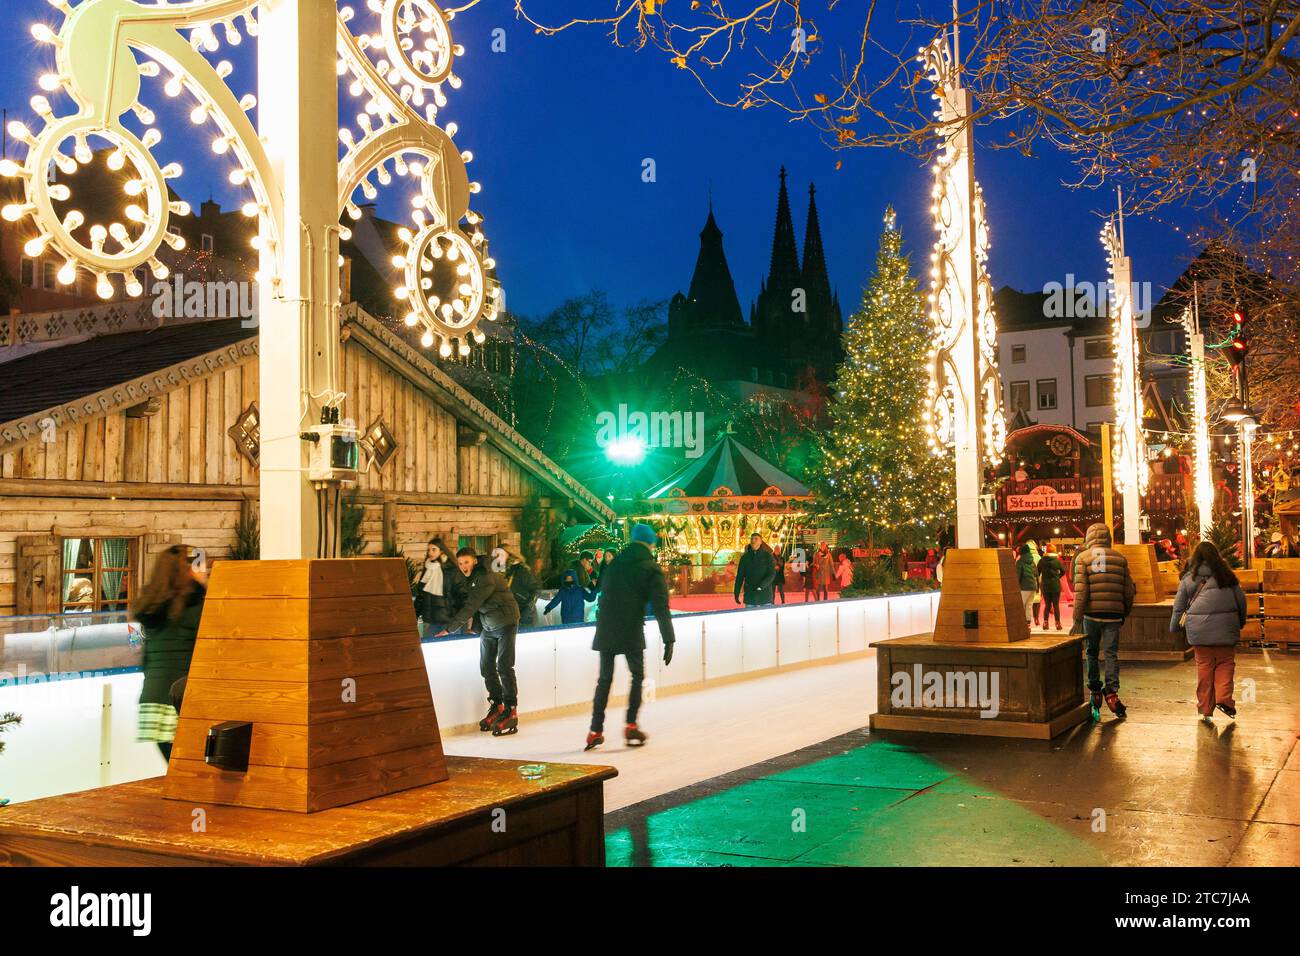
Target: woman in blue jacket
[(572, 599), (1211, 607)]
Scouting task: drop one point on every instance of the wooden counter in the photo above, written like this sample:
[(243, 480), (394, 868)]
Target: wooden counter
[(484, 814)]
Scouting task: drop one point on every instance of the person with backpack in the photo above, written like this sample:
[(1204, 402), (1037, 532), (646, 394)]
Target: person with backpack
[(1211, 607), (1050, 572), (1104, 592), (631, 581)]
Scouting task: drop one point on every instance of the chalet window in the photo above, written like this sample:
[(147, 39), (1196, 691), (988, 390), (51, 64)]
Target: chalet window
[(1017, 353), (28, 274), (481, 543), (1019, 396), (205, 242), (1098, 390), (246, 434), (1098, 348), (1046, 394), (97, 574), (49, 275)]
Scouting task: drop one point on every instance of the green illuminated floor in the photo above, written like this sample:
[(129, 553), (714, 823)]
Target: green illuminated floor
[(1157, 789)]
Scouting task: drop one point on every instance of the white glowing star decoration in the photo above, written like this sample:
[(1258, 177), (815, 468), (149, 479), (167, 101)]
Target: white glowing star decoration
[(105, 48)]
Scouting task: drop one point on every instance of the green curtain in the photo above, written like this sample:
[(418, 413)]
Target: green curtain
[(114, 552), (71, 547)]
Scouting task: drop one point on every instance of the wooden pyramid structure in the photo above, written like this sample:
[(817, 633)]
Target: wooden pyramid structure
[(323, 658)]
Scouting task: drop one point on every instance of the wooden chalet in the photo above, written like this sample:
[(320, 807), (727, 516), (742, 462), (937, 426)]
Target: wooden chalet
[(117, 445)]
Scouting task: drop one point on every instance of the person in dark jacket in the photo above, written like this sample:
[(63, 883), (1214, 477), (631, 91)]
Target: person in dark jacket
[(1027, 572), (1050, 572), (755, 573), (586, 570), (168, 610), (1104, 592), (488, 596), (778, 579), (631, 581), (571, 599), (523, 585), (431, 598), (1215, 607)]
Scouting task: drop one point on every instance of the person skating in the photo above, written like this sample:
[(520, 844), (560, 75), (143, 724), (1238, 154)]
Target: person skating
[(1050, 572), (1103, 597), (571, 599), (1211, 607), (524, 586), (755, 573), (488, 596), (632, 581), (778, 580)]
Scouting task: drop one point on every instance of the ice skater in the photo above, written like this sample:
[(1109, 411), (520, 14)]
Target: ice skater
[(631, 581)]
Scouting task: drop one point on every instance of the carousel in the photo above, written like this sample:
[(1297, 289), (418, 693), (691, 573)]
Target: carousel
[(706, 511)]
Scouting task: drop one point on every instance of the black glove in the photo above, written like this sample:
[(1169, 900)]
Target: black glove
[(668, 653)]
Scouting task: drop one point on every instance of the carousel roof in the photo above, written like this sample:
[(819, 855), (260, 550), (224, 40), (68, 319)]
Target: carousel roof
[(729, 465)]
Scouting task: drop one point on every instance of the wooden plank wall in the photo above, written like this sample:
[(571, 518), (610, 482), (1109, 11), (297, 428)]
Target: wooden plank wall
[(184, 442)]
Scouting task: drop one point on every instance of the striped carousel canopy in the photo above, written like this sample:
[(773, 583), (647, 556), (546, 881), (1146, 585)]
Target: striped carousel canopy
[(731, 466)]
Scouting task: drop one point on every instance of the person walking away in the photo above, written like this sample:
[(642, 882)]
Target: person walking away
[(1103, 597), (488, 596), (168, 611), (1037, 554), (844, 571), (1211, 607), (524, 586), (823, 568), (755, 573), (778, 579), (431, 599), (1028, 575), (632, 580), (571, 599), (1050, 572)]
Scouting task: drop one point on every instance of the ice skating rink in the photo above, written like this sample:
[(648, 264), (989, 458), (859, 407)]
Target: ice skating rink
[(696, 735)]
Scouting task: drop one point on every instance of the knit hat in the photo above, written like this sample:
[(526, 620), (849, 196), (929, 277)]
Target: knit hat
[(645, 534)]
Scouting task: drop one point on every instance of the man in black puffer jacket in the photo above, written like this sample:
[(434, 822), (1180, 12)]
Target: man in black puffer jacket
[(630, 582)]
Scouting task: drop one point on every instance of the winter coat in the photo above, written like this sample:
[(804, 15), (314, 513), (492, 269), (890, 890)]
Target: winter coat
[(823, 567), (1215, 615), (1026, 570), (523, 585), (435, 608), (169, 646), (779, 561), (1103, 586), (1050, 572), (488, 596), (630, 581), (844, 573), (755, 574), (572, 600)]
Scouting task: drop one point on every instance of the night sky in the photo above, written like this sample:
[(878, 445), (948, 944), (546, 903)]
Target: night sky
[(559, 127)]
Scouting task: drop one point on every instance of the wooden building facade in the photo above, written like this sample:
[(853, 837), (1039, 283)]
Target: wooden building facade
[(116, 447)]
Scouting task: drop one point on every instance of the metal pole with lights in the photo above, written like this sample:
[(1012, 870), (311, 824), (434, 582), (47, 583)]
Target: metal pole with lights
[(301, 184), (1202, 480), (1130, 462), (1239, 412), (964, 404)]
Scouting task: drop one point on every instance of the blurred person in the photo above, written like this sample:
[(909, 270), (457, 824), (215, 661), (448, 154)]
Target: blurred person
[(778, 580), (1050, 571), (823, 569), (1211, 607), (572, 600), (1027, 573), (755, 573)]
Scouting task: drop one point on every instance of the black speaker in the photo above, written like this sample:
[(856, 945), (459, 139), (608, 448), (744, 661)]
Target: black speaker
[(970, 620), (228, 744)]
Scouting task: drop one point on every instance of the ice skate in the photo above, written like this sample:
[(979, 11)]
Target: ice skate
[(507, 723), (1230, 711), (1116, 706), (633, 737), (594, 740), (1095, 705), (494, 712)]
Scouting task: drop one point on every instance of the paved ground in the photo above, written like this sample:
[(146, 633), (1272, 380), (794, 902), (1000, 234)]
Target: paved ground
[(1157, 789)]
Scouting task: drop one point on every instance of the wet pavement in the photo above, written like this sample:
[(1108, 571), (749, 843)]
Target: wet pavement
[(1158, 789)]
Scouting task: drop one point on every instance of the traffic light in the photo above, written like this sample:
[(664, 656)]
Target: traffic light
[(1237, 348)]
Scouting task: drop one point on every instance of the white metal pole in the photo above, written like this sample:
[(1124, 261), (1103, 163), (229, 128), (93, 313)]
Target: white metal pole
[(1247, 439), (1202, 481), (298, 120)]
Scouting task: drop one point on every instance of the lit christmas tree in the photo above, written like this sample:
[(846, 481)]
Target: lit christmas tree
[(877, 477)]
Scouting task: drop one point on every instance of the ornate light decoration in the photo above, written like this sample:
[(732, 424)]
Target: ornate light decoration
[(1202, 480), (1129, 459), (961, 292), (105, 48)]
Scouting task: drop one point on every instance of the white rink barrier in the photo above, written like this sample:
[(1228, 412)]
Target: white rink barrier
[(78, 732), (556, 667)]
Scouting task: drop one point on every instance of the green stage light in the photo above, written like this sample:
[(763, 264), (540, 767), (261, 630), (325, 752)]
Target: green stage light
[(626, 451)]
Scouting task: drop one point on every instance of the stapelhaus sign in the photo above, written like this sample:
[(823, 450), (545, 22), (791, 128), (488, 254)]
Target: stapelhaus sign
[(1046, 498)]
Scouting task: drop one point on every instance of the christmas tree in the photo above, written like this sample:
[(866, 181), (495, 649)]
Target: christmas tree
[(877, 477)]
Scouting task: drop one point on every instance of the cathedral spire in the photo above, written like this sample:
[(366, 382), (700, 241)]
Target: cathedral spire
[(711, 301), (783, 272), (815, 280)]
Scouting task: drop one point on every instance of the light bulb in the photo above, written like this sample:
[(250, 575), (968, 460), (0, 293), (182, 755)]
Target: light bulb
[(426, 339)]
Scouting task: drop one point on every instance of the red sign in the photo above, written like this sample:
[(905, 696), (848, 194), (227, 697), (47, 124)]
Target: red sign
[(1045, 498)]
